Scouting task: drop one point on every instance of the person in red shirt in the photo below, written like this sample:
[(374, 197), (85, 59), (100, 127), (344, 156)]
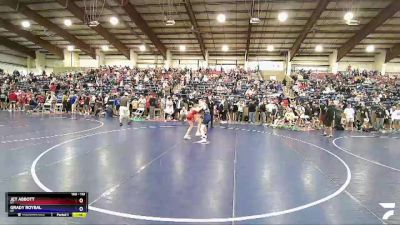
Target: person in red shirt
[(41, 100), (53, 88), (21, 101), (12, 97)]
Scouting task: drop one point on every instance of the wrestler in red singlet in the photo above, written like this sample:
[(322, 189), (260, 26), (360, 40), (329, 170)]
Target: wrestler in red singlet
[(191, 115), (191, 118)]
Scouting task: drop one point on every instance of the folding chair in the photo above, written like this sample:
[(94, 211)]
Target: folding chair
[(59, 107), (157, 113), (138, 114), (46, 107), (35, 109)]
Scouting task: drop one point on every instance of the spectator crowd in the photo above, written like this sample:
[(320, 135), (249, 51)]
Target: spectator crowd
[(364, 101)]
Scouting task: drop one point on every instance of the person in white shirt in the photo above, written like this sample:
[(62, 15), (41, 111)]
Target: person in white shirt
[(240, 104), (205, 78), (142, 103), (349, 114), (165, 84), (249, 92), (183, 113), (136, 78), (395, 118), (169, 108), (270, 107), (53, 102)]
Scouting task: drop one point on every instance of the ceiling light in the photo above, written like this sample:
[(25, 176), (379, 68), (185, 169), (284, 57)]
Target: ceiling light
[(319, 48), (348, 16), (170, 22), (105, 48), (142, 48), (370, 48), (255, 20), (182, 48), (25, 24), (221, 18), (270, 48), (70, 48), (93, 23), (352, 22), (114, 20), (67, 22), (283, 16), (225, 48)]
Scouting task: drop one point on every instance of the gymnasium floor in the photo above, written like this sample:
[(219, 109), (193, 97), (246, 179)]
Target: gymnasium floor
[(146, 174)]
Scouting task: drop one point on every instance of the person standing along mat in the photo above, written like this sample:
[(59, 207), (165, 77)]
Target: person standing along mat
[(252, 111), (330, 118), (124, 109), (211, 107), (349, 113), (323, 110)]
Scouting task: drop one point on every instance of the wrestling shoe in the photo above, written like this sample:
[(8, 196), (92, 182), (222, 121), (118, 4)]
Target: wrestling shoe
[(203, 140), (187, 137), (198, 134)]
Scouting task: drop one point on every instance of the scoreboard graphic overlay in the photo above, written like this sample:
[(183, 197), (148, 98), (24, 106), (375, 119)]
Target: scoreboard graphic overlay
[(42, 204)]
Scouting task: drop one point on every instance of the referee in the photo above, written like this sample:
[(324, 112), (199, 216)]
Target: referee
[(210, 104)]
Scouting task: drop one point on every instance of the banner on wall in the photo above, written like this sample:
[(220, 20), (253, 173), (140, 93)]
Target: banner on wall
[(266, 65), (189, 66), (224, 67), (312, 68), (9, 68)]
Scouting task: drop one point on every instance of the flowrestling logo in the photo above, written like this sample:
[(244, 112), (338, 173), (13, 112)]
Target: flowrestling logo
[(391, 207)]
